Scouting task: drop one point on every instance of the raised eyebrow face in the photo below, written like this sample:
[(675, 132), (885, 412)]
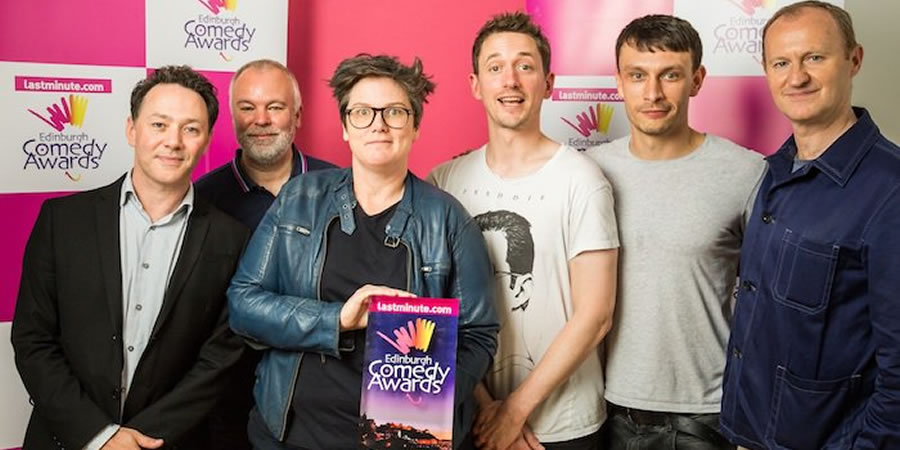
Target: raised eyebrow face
[(518, 56)]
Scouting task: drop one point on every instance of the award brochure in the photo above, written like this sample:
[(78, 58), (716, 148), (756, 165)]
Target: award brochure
[(408, 374)]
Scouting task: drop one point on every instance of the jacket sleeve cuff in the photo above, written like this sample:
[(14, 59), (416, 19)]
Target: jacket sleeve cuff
[(102, 437), (331, 328)]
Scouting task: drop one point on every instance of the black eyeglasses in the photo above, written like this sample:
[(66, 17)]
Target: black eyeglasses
[(392, 116)]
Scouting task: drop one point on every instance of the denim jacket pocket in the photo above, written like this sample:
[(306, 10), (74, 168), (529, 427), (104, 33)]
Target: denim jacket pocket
[(805, 272), (806, 413)]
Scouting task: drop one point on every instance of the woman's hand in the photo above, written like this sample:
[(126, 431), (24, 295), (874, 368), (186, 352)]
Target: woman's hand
[(355, 312)]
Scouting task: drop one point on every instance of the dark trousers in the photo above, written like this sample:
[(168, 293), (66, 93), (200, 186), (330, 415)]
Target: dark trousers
[(260, 436), (228, 422), (589, 442), (630, 429)]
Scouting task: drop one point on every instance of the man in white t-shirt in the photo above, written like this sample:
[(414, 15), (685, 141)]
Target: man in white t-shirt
[(547, 214), (681, 201)]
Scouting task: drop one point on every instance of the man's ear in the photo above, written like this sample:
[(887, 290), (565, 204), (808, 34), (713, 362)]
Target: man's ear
[(697, 80), (129, 131)]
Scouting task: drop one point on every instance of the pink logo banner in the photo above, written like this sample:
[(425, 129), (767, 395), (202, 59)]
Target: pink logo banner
[(55, 84)]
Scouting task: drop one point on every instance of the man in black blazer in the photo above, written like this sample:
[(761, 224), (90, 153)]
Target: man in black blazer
[(121, 333)]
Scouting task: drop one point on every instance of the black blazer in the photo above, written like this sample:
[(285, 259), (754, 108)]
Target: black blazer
[(67, 330)]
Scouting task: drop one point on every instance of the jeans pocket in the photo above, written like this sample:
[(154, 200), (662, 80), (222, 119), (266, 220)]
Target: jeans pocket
[(807, 412), (805, 273)]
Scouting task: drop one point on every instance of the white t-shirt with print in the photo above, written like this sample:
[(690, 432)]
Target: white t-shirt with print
[(533, 226)]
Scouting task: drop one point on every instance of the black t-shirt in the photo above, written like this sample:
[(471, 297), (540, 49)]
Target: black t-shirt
[(325, 408)]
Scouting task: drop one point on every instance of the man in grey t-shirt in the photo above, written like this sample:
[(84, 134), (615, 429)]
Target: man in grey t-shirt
[(680, 199)]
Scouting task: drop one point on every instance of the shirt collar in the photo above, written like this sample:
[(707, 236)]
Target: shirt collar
[(128, 194), (298, 166), (840, 159)]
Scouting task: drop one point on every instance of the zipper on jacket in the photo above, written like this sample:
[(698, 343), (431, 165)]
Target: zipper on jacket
[(408, 265), (290, 402)]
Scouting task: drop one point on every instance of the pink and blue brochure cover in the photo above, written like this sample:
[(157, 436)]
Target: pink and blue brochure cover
[(409, 373)]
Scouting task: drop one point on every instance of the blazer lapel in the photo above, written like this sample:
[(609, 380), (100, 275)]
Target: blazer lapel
[(191, 247), (107, 215)]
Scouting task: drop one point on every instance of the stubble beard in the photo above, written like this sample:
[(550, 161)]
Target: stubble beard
[(266, 155)]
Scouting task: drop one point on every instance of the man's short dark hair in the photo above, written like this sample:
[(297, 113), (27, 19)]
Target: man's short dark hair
[(661, 32), (841, 18), (183, 76), (519, 242), (411, 78), (512, 22)]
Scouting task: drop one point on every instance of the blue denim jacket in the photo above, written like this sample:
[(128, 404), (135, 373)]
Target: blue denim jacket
[(814, 356), (274, 296)]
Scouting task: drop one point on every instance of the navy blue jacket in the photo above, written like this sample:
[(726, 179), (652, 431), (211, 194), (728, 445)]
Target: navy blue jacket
[(814, 356)]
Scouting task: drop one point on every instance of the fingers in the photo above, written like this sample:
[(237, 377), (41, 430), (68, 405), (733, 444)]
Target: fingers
[(354, 313), (484, 417), (131, 439), (520, 444), (147, 441), (531, 439), (370, 290), (121, 440)]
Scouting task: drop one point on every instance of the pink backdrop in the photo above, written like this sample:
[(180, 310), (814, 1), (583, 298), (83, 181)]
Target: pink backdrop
[(321, 33)]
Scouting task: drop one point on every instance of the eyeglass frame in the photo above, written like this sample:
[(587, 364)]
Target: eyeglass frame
[(376, 111)]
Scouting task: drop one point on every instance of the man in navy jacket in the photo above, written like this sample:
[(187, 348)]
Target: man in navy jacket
[(814, 357)]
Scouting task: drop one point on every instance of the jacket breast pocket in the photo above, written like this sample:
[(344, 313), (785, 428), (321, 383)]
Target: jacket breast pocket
[(290, 229), (291, 238), (436, 279), (293, 252), (805, 272), (806, 413)]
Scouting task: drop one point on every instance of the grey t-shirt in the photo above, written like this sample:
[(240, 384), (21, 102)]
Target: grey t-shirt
[(681, 223)]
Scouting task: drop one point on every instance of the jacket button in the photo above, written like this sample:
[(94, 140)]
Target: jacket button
[(748, 285), (767, 218), (737, 353)]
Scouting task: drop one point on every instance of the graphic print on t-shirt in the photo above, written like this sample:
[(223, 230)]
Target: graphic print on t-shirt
[(519, 267)]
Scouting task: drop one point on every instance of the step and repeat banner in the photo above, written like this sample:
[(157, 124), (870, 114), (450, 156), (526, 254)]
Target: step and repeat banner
[(67, 70), (585, 108)]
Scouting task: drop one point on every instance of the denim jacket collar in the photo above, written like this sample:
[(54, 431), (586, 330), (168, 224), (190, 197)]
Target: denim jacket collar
[(839, 160)]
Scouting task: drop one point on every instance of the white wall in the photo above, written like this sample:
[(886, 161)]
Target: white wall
[(876, 87)]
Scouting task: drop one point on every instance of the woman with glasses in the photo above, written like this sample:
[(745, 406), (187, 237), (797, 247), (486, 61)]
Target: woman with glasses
[(333, 239)]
